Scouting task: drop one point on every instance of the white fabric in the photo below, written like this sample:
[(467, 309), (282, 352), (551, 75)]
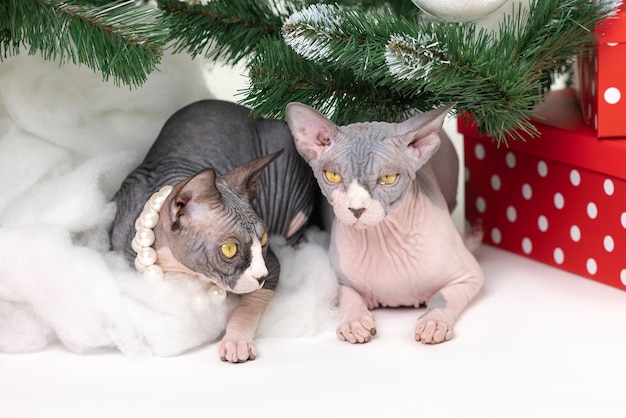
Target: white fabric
[(67, 140)]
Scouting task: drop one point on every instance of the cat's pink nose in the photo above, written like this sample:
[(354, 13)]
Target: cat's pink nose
[(357, 212)]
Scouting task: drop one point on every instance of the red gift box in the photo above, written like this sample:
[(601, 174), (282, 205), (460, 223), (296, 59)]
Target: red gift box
[(559, 199), (601, 82)]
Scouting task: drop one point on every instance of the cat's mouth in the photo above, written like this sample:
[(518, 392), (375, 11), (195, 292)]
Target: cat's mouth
[(247, 286), (363, 221), (241, 286)]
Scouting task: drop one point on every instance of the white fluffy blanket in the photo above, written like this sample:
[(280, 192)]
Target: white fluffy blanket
[(67, 140)]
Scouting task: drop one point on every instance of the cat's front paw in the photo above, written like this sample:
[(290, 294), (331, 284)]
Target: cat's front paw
[(236, 349), (433, 329), (357, 330)]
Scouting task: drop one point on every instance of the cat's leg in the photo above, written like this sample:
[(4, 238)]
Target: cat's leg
[(238, 345), (436, 325), (357, 322)]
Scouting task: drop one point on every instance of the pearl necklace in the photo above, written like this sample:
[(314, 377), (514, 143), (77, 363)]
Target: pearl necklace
[(144, 238), (144, 235)]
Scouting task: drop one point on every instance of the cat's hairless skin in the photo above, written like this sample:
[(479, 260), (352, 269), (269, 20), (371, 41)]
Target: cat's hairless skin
[(235, 179), (393, 241)]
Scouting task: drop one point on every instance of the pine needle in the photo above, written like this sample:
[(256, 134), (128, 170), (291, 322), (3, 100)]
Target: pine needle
[(119, 39)]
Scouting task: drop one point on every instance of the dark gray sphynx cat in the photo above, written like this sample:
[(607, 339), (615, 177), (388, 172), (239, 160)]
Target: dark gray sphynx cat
[(231, 187)]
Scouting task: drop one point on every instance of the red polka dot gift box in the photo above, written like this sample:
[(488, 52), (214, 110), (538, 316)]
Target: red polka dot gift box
[(559, 199), (602, 85)]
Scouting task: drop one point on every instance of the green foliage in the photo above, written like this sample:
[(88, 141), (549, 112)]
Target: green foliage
[(354, 60), (120, 39), (229, 30), (403, 65)]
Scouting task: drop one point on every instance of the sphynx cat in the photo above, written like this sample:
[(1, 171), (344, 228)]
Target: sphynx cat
[(393, 241), (230, 187)]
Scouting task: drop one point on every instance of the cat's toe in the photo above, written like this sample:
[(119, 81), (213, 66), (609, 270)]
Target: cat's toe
[(233, 351), (357, 332), (431, 331)]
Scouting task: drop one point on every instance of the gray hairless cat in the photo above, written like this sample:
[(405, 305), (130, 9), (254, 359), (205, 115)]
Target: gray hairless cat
[(393, 242), (216, 184)]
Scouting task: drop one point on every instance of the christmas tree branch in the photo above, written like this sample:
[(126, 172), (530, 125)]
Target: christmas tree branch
[(120, 39), (224, 29), (496, 77), (231, 30), (352, 59), (278, 75)]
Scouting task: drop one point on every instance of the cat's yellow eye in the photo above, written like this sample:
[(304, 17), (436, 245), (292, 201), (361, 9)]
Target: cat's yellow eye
[(388, 179), (264, 239), (332, 177), (229, 249)]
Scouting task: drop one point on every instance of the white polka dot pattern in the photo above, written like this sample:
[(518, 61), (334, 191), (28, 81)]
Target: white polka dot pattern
[(602, 89), (559, 256), (612, 95), (566, 216), (495, 182), (574, 233)]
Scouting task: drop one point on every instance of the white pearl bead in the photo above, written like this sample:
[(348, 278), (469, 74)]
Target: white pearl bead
[(135, 245), (156, 201), (149, 218), (144, 237), (138, 266), (166, 190), (153, 272), (147, 256), (216, 293)]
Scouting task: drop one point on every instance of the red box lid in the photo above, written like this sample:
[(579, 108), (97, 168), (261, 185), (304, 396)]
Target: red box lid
[(571, 141)]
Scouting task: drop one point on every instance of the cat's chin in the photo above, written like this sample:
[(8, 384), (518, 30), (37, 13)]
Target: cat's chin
[(246, 285), (356, 223), (360, 225)]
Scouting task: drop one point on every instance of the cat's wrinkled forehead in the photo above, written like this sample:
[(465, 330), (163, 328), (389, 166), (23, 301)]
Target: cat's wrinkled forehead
[(237, 212), (368, 132), (362, 141)]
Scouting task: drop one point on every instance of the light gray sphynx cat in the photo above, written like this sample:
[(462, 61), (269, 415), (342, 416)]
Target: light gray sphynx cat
[(393, 241), (226, 199)]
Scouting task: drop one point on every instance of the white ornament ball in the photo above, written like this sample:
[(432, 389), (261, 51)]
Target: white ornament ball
[(459, 10)]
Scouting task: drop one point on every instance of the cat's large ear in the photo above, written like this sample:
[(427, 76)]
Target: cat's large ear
[(311, 130), (421, 132), (195, 191), (243, 178)]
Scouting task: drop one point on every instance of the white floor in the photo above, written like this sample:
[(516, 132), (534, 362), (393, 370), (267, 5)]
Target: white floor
[(537, 342)]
